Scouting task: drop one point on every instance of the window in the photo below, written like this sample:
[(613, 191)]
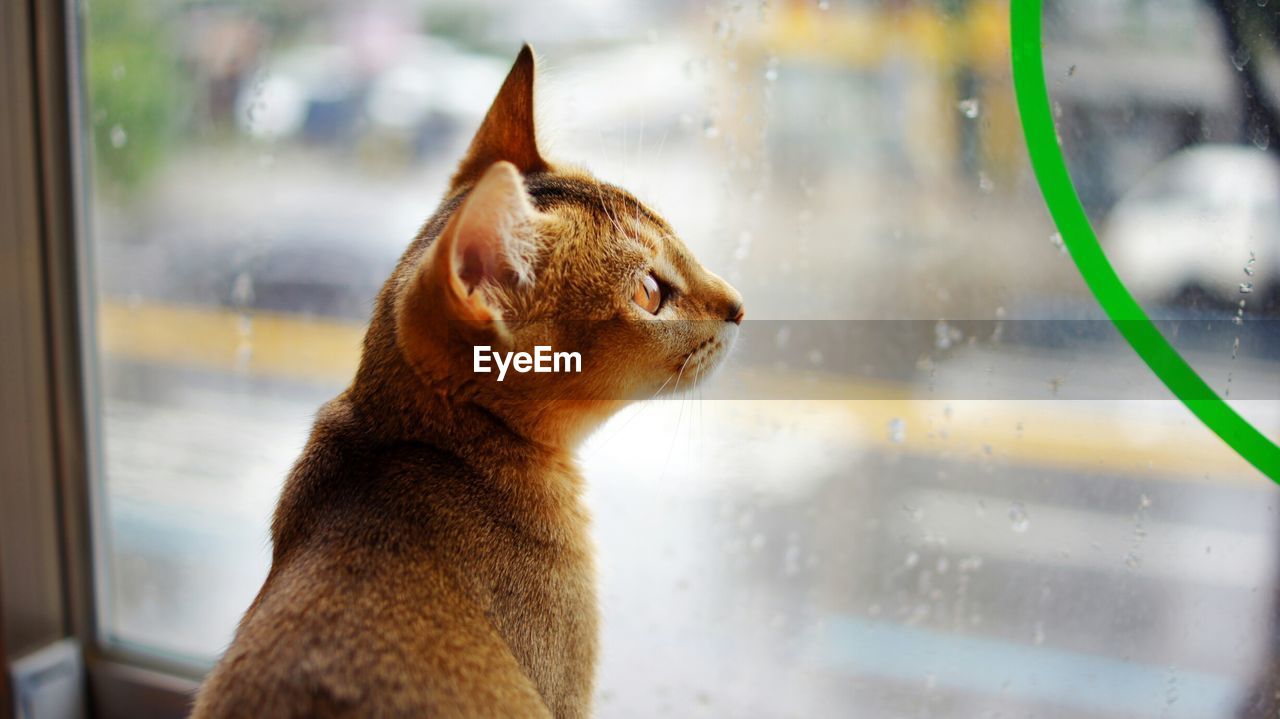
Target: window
[(934, 481)]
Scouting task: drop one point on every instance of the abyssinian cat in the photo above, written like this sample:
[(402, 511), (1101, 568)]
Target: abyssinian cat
[(431, 554)]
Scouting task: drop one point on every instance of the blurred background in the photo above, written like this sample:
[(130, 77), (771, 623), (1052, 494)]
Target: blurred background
[(933, 482)]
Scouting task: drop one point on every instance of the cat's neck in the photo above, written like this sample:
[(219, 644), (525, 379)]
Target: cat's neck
[(397, 412), (527, 486), (392, 403), (399, 402)]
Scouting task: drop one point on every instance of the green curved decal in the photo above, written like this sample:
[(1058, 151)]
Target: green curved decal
[(1069, 216)]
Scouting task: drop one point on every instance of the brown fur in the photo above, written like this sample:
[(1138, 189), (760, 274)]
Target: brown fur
[(431, 550)]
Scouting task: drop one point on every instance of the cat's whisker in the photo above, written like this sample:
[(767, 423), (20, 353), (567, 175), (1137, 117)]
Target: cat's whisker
[(664, 385), (644, 406), (676, 389), (613, 216), (675, 432), (614, 203), (662, 144), (611, 209), (698, 402)]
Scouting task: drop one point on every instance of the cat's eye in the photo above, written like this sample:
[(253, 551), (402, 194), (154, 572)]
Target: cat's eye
[(648, 294)]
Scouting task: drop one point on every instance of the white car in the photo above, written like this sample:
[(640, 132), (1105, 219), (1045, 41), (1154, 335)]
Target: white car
[(1205, 222)]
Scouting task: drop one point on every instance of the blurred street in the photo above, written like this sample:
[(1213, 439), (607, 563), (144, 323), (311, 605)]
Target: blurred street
[(936, 510), (931, 481)]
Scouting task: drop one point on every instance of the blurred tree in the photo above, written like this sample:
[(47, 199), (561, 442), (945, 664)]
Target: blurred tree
[(134, 88)]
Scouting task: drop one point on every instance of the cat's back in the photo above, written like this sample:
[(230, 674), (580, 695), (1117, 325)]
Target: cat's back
[(364, 613), (333, 638)]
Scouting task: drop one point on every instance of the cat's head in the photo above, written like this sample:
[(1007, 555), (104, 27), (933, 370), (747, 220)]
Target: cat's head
[(525, 253)]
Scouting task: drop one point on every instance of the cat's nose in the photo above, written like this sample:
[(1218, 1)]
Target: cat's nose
[(736, 313)]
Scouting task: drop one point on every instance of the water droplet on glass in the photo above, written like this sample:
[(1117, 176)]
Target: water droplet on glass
[(1056, 240), (1144, 501), (1248, 266), (791, 560), (897, 430), (783, 336), (969, 107), (757, 542), (1246, 288), (1132, 560), (242, 291), (1071, 71), (117, 73), (244, 343), (1037, 634), (911, 560), (984, 183), (1241, 57), (1018, 519), (1261, 137), (824, 4), (815, 357), (944, 335), (710, 129), (771, 69), (119, 138)]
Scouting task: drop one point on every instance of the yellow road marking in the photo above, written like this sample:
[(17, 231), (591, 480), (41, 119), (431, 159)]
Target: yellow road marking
[(1069, 435), (257, 344), (1074, 435)]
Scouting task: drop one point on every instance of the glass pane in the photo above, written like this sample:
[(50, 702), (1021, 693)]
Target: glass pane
[(932, 481)]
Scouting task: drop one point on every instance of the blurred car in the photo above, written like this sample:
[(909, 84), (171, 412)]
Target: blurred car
[(435, 93), (310, 90), (1203, 223)]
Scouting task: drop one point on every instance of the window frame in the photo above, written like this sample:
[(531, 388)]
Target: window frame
[(50, 427)]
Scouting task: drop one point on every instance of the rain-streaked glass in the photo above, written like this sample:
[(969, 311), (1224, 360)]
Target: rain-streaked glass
[(932, 480)]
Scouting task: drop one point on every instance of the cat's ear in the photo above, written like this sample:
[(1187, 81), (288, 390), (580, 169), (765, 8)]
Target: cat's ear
[(507, 133), (488, 244)]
